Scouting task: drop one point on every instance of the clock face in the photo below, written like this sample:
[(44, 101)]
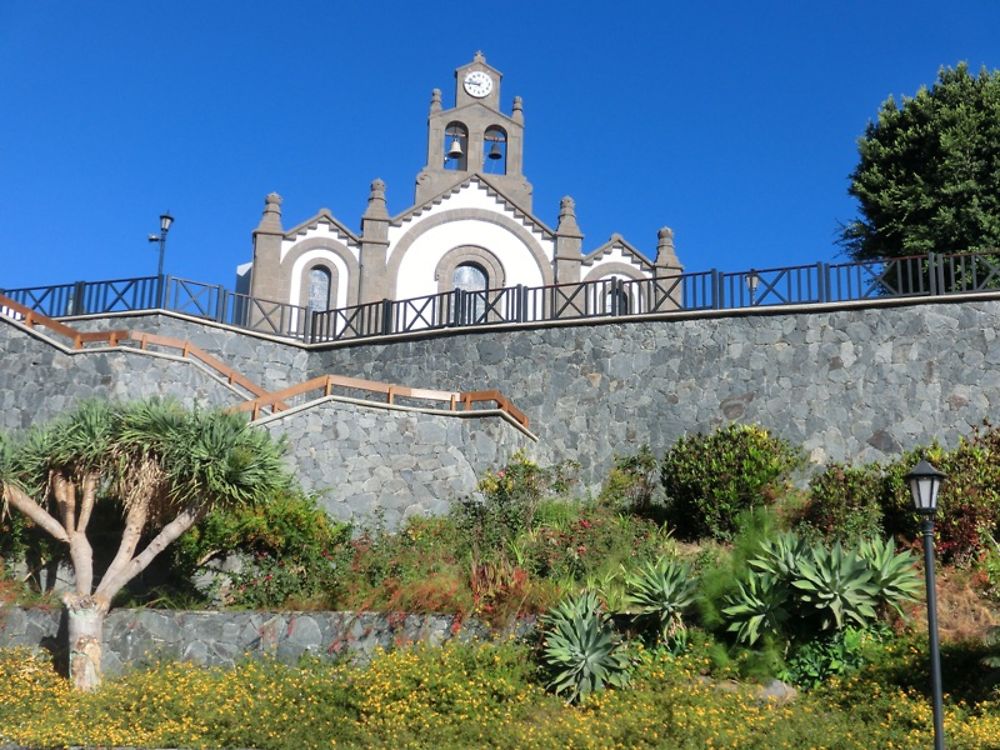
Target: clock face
[(478, 84)]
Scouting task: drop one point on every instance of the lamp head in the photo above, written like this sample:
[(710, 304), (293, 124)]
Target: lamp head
[(924, 481), (165, 221)]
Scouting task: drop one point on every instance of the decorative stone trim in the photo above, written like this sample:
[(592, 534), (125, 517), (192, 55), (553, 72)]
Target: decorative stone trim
[(445, 271)]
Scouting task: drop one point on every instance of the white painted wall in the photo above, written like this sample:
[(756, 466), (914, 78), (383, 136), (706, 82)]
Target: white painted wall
[(472, 196), (416, 272), (329, 258), (322, 231)]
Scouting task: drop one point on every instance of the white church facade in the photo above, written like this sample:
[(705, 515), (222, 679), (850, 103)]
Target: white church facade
[(471, 226)]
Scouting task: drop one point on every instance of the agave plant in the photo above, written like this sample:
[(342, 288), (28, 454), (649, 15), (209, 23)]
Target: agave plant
[(663, 589), (582, 648), (759, 606), (838, 584), (893, 575), (780, 555)]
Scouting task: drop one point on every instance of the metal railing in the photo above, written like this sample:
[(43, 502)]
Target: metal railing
[(817, 283)]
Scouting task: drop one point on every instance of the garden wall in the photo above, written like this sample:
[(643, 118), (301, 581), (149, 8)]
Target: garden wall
[(133, 637), (39, 380), (849, 382), (403, 462)]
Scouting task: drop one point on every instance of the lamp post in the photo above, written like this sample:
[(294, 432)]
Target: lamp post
[(925, 481), (165, 221), (752, 280)]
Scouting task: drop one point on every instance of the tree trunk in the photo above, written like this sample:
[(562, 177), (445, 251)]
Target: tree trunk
[(86, 631)]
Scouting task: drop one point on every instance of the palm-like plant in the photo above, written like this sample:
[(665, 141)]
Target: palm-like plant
[(759, 606), (893, 574), (582, 648), (838, 585), (166, 466), (664, 590)]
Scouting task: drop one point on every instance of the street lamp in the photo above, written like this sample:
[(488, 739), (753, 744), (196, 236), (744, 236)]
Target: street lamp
[(165, 221), (925, 481), (752, 280)]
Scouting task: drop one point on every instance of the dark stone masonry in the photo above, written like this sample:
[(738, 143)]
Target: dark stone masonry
[(849, 383), (134, 637)]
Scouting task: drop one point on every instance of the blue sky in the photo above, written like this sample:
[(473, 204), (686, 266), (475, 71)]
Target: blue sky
[(734, 123)]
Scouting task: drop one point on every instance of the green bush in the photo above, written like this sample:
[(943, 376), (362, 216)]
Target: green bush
[(851, 502), (797, 591), (661, 591), (845, 503), (289, 547), (510, 499), (633, 485), (710, 479)]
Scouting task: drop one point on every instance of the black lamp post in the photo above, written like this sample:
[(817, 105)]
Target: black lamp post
[(165, 221), (925, 481)]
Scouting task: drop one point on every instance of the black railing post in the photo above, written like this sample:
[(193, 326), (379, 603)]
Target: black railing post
[(308, 324), (386, 317), (78, 303), (456, 311), (716, 281), (222, 302), (932, 273)]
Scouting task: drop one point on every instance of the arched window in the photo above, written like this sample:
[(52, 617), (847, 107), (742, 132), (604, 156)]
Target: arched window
[(495, 150), (617, 301), (471, 279), (456, 147), (319, 289)]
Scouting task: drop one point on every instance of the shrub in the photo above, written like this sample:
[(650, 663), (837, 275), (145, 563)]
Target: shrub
[(836, 584), (288, 547), (710, 479), (814, 662), (510, 498), (633, 486), (845, 503)]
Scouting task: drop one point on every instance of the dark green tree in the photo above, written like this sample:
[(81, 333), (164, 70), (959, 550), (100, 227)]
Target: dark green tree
[(928, 179)]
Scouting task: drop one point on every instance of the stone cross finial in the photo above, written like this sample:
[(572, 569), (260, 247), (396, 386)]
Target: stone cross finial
[(436, 100), (270, 220), (479, 56), (376, 201)]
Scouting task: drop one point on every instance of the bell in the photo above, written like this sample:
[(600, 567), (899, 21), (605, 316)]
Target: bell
[(495, 152), (455, 152)]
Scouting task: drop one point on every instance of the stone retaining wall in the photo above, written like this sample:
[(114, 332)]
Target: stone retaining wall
[(850, 382), (134, 637), (38, 381), (361, 457)]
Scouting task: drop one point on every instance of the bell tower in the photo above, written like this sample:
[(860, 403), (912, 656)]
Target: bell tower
[(475, 136)]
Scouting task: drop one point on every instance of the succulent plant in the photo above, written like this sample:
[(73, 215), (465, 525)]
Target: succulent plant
[(760, 605), (582, 648), (838, 584), (663, 590), (893, 574)]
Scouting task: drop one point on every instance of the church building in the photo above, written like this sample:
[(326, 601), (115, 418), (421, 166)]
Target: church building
[(472, 225)]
